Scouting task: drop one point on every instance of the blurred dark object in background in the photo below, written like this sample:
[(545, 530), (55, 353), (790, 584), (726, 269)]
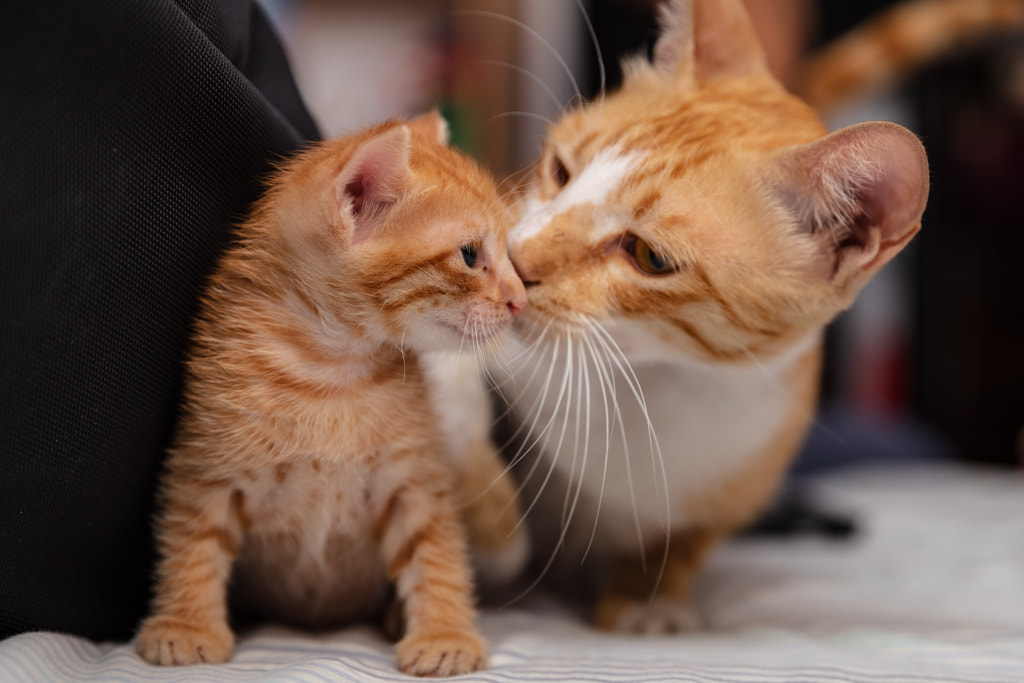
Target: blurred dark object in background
[(968, 365)]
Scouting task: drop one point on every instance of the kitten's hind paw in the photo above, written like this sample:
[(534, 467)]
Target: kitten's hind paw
[(172, 642), (659, 616), (441, 654)]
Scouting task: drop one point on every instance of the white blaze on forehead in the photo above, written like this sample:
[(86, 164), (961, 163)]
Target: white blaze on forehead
[(599, 179)]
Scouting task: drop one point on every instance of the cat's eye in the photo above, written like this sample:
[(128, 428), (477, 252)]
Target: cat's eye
[(559, 172), (469, 254), (647, 259)]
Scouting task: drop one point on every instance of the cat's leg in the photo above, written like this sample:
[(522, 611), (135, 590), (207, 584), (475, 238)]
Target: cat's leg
[(489, 504), (653, 596), (199, 537), (424, 548)]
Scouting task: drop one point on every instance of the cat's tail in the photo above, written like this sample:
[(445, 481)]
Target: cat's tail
[(893, 45)]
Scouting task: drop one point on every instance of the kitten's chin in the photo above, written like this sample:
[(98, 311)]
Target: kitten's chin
[(445, 336)]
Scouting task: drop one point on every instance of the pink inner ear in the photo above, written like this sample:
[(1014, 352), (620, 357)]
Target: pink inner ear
[(373, 180), (356, 190), (862, 189)]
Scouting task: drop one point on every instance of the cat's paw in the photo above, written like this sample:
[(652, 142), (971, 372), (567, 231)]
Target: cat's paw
[(659, 616), (441, 654), (172, 642)]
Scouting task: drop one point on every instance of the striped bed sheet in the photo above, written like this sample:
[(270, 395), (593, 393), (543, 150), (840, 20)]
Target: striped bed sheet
[(930, 590)]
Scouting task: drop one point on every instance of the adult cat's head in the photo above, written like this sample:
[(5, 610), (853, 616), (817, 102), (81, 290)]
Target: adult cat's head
[(702, 209), (397, 235)]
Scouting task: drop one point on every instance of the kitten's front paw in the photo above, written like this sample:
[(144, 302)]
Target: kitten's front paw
[(659, 616), (441, 654), (171, 642)]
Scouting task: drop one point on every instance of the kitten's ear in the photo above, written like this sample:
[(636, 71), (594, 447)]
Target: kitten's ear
[(708, 40), (431, 126), (371, 182), (861, 192)]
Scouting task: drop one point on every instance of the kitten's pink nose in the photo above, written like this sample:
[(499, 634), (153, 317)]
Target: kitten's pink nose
[(515, 296)]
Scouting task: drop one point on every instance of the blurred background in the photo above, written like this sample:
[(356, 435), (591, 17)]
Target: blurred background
[(930, 361)]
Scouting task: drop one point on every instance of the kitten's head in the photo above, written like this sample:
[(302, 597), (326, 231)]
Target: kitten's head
[(703, 209), (394, 232)]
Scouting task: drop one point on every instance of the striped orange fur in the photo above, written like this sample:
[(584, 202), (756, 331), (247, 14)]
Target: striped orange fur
[(308, 472), (684, 242), (897, 43)]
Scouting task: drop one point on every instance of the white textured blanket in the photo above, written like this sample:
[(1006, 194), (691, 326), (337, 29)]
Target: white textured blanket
[(932, 589)]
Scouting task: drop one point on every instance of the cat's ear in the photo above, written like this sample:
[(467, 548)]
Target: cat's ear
[(372, 181), (708, 40), (860, 192), (431, 126)]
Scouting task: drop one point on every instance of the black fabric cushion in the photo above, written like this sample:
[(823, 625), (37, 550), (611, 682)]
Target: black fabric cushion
[(133, 135)]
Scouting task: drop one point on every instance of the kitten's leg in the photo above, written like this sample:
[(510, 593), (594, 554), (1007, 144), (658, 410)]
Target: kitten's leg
[(199, 538), (425, 551), (485, 493), (652, 600)]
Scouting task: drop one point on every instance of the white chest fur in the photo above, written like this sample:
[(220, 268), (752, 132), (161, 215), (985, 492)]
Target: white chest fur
[(624, 476)]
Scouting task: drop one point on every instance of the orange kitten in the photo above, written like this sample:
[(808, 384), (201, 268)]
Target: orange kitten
[(684, 243), (308, 472)]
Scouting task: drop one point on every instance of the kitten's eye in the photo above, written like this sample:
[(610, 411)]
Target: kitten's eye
[(469, 254), (648, 260), (559, 172)]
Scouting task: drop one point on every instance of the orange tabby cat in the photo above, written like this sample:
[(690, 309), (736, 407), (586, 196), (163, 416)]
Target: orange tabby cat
[(308, 471), (684, 243)]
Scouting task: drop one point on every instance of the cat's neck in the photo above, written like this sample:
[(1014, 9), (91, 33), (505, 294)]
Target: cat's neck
[(303, 334), (716, 421)]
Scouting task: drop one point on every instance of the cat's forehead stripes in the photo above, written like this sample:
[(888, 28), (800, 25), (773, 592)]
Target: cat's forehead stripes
[(598, 180)]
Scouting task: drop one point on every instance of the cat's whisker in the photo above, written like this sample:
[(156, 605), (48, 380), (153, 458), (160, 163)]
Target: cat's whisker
[(597, 49), (607, 370), (532, 76), (517, 187), (527, 354), (603, 385), (657, 456), (547, 44), (792, 400), (577, 404), (524, 114), (568, 514), (526, 446), (659, 473), (545, 434)]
